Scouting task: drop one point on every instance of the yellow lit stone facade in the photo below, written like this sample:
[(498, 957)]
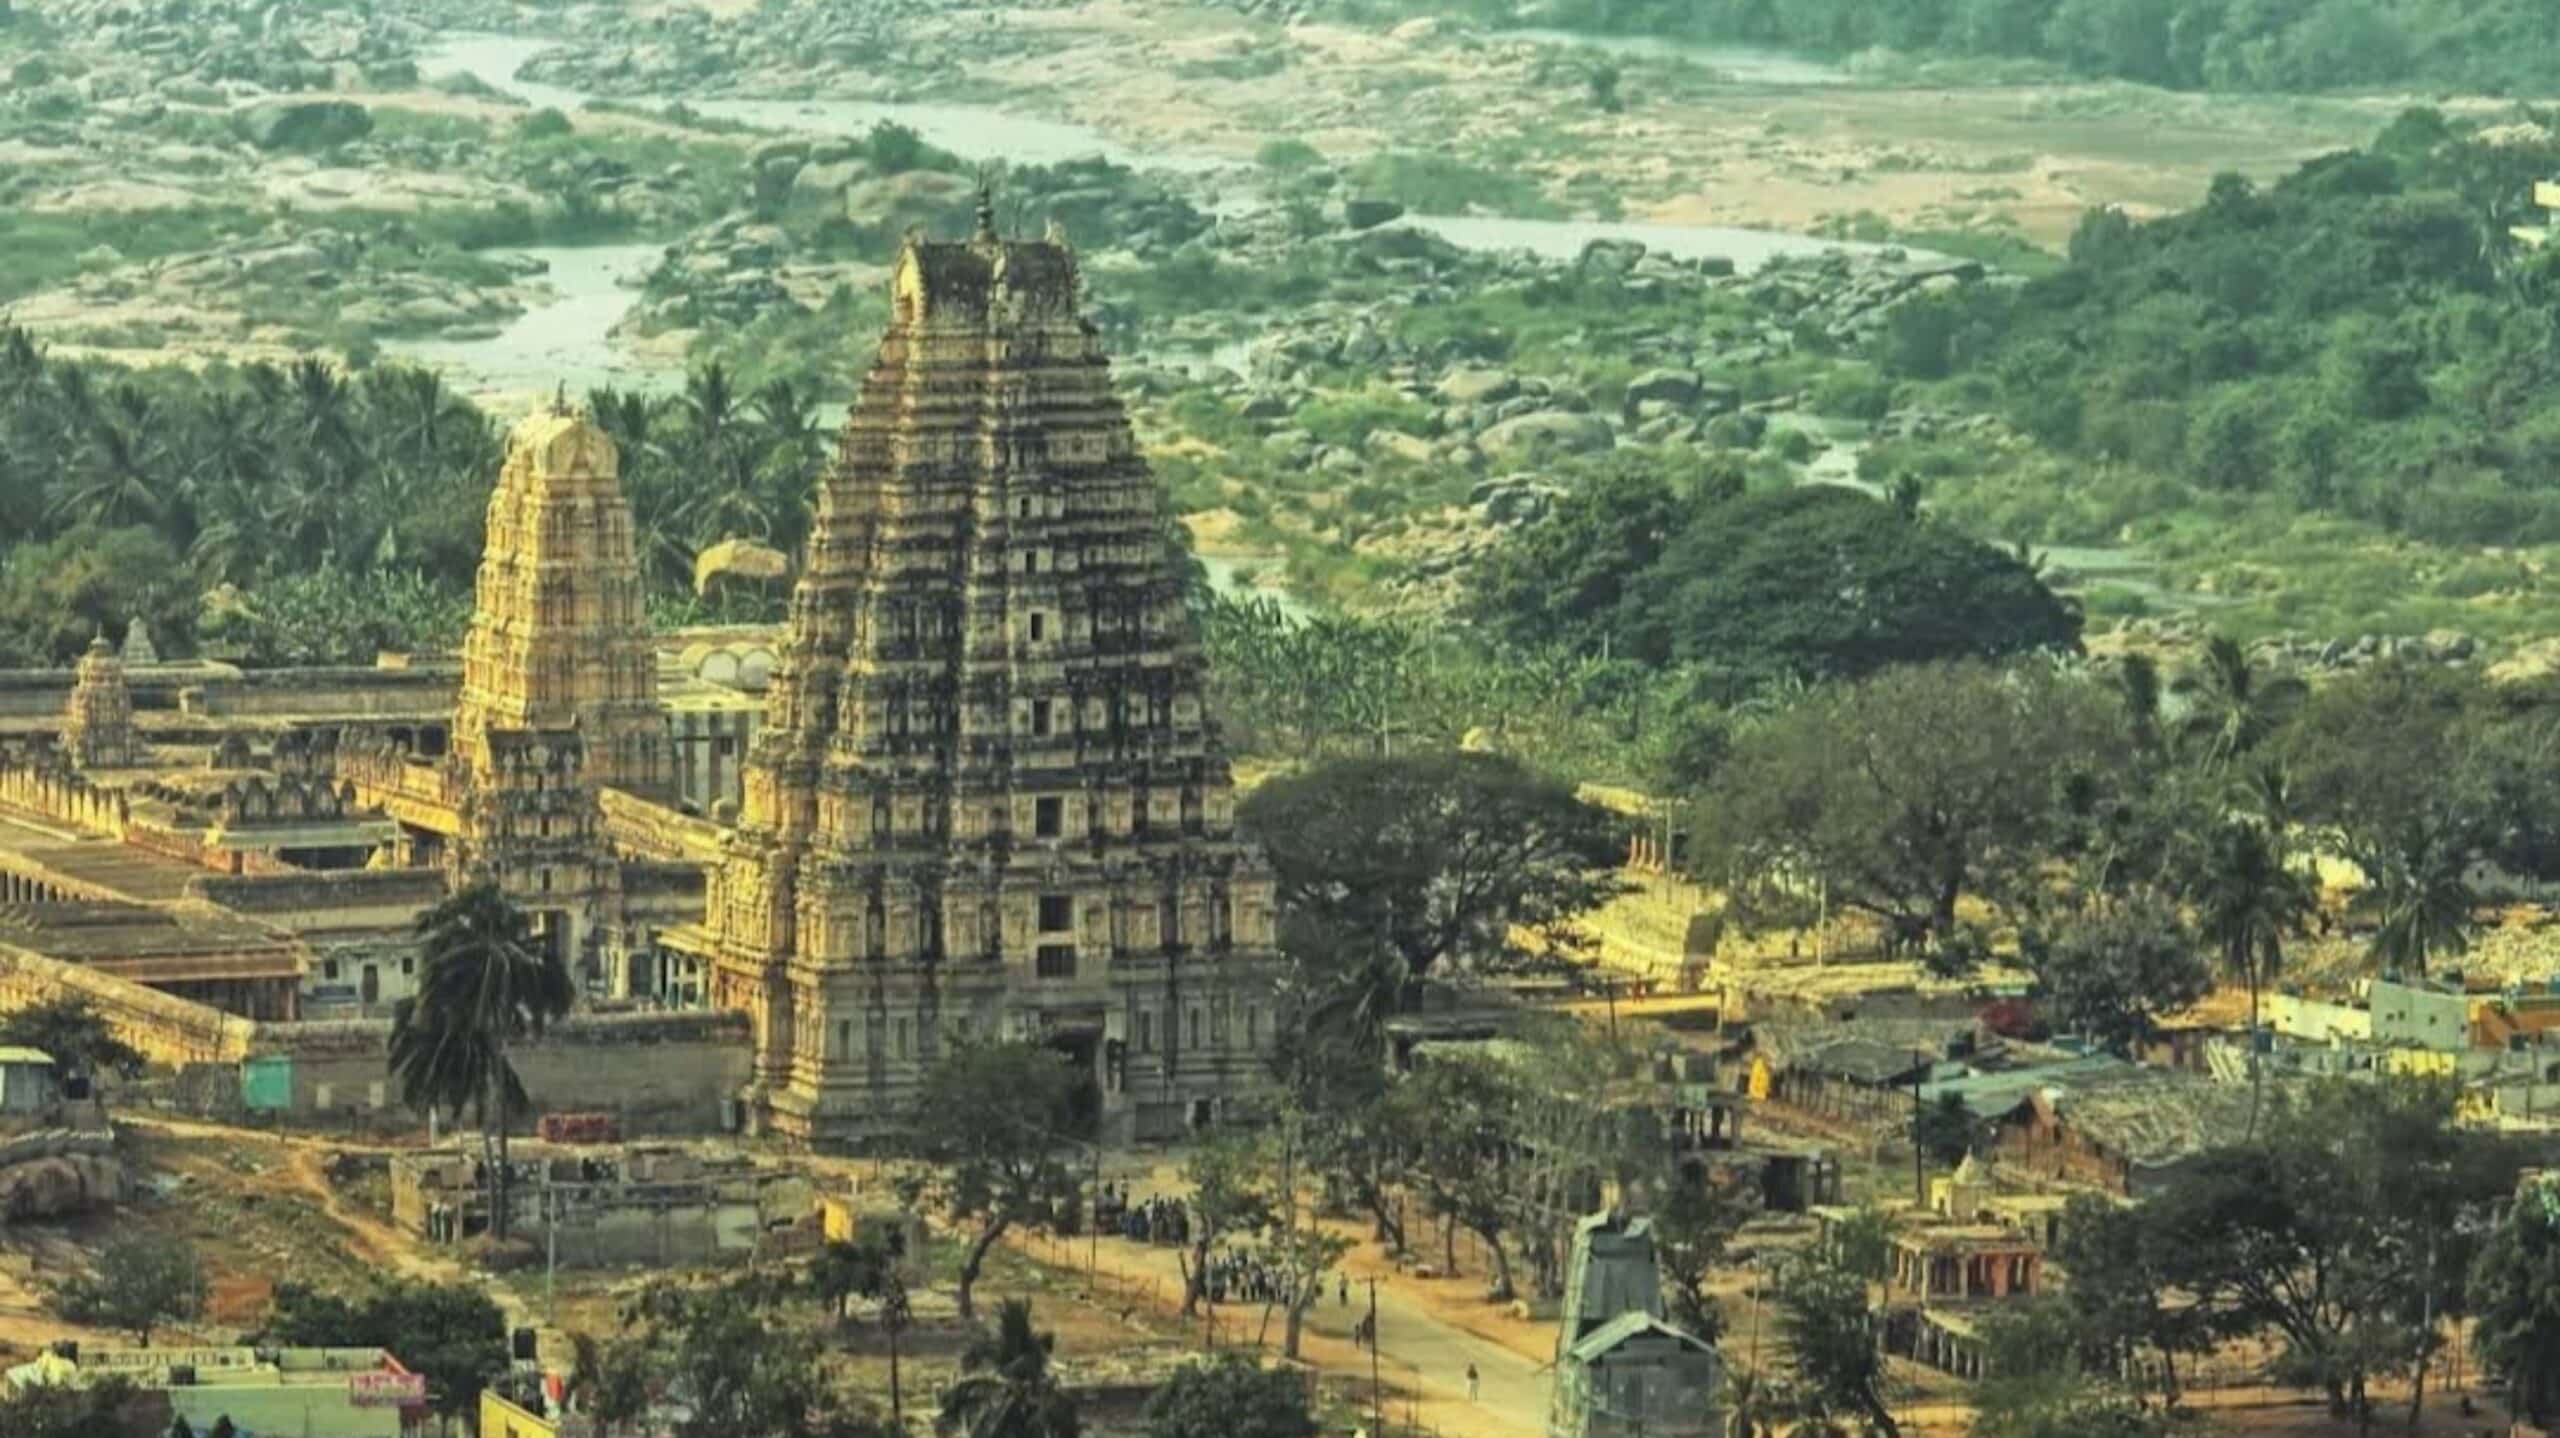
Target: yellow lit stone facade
[(987, 798), (559, 634), (559, 690)]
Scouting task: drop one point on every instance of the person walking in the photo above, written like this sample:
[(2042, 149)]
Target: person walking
[(1475, 1382)]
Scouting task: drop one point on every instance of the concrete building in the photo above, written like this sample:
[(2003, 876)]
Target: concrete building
[(593, 1207), (318, 1392), (987, 798)]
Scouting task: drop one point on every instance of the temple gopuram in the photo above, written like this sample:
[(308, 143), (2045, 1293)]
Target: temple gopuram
[(970, 790), (987, 799)]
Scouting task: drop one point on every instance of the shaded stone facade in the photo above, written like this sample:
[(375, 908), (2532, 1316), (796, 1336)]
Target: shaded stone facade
[(987, 798), (97, 727)]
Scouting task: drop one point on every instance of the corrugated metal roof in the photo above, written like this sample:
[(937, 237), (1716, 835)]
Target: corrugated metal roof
[(1628, 1325)]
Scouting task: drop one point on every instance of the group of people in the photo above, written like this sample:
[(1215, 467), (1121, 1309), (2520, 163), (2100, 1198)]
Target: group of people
[(1145, 1220)]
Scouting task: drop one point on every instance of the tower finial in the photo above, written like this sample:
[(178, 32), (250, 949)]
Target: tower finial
[(986, 205), (560, 398)]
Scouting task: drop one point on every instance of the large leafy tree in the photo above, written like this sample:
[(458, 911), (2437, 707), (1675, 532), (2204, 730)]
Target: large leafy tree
[(2339, 1234), (1904, 795), (732, 1372), (139, 1284), (1230, 1396), (453, 1333), (1813, 582), (2417, 775), (1435, 856), (73, 1034), (485, 984), (2515, 1290), (1566, 579), (2112, 972), (1839, 1368), (994, 1126)]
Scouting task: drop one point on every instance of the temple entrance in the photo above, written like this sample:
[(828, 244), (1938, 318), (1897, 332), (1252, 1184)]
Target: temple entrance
[(1083, 1047)]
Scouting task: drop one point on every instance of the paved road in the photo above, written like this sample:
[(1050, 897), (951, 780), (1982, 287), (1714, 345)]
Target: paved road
[(1417, 1348)]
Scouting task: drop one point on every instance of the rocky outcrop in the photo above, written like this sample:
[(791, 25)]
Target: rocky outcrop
[(54, 1173)]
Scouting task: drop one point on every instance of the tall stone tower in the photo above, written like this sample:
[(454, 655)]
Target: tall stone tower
[(559, 690), (987, 799), (559, 639), (97, 724)]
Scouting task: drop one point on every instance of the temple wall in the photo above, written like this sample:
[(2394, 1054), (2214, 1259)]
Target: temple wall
[(164, 1029), (425, 692), (307, 902), (661, 1073), (644, 830), (65, 797)]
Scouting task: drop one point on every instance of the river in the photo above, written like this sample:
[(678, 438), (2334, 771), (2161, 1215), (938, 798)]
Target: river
[(567, 337)]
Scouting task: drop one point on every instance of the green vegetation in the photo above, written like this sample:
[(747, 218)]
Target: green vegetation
[(73, 1035), (1725, 581), (453, 1333), (141, 1284), (1434, 184), (2497, 46), (484, 984)]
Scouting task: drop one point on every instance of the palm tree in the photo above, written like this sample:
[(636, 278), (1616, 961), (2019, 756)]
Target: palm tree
[(2233, 706), (2427, 905), (485, 984), (2247, 901), (1005, 1388)]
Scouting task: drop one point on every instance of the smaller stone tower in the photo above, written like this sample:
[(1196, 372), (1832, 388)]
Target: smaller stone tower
[(559, 690), (559, 641), (97, 728)]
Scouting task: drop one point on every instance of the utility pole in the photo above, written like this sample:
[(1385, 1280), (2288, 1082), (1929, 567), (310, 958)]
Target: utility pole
[(1377, 1393), (1919, 1155), (550, 1248)]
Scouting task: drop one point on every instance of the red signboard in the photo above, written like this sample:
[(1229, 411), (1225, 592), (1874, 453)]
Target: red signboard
[(386, 1390)]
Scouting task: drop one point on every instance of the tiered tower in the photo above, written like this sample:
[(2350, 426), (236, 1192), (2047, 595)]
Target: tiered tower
[(988, 799), (559, 639), (559, 688), (97, 725)]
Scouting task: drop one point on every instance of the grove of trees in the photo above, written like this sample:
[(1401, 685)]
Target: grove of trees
[(2492, 46)]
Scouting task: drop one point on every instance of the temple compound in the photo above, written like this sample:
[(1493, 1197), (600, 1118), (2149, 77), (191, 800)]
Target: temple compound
[(987, 799), (973, 790)]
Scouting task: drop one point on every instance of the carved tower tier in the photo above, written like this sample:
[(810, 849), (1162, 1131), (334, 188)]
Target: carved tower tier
[(559, 637), (988, 800), (97, 726), (559, 691)]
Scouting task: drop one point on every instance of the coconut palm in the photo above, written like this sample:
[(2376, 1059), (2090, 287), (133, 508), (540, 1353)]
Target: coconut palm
[(2247, 901), (2232, 705), (2427, 905), (485, 984), (1005, 1388)]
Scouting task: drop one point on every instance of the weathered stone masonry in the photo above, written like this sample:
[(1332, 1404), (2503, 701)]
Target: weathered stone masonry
[(987, 798)]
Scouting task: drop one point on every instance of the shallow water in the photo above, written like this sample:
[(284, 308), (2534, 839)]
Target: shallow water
[(565, 339)]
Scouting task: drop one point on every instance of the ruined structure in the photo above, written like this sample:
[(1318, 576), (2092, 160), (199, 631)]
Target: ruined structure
[(97, 728), (987, 797)]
